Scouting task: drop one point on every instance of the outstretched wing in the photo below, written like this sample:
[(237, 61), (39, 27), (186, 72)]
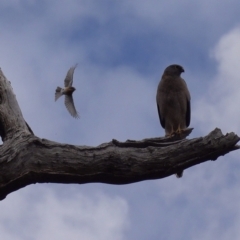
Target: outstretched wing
[(69, 77), (70, 106)]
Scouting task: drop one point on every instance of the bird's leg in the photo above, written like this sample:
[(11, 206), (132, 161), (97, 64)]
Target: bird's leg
[(179, 130), (171, 133)]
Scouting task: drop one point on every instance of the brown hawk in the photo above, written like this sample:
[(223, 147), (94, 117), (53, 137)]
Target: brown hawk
[(173, 102)]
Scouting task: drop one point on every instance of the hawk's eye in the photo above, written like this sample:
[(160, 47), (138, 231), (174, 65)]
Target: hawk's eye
[(179, 68)]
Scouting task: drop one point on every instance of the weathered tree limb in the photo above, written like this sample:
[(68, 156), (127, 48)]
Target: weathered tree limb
[(11, 119), (26, 159), (162, 141)]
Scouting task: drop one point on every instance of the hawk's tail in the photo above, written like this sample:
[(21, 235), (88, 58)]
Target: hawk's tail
[(58, 93), (179, 174)]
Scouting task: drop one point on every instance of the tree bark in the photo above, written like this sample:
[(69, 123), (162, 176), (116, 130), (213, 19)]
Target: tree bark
[(26, 159)]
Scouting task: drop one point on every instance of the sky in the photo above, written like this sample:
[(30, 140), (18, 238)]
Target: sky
[(122, 48)]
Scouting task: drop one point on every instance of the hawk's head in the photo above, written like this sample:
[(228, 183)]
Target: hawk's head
[(174, 69)]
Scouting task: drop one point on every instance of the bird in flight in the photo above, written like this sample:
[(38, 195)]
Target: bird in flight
[(68, 91), (173, 102)]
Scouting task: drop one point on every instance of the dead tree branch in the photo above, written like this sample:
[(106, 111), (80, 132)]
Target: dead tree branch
[(26, 159)]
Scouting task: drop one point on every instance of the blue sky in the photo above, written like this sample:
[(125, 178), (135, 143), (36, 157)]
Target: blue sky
[(122, 48)]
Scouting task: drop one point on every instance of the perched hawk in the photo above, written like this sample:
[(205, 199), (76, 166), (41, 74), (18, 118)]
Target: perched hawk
[(173, 102), (68, 91)]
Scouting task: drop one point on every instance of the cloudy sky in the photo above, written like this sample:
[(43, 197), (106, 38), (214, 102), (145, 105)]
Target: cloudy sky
[(122, 48)]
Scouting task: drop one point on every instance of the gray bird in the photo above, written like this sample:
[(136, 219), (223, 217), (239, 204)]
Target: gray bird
[(173, 102), (68, 91)]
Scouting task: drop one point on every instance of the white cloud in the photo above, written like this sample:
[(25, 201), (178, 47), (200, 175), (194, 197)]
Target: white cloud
[(219, 107), (48, 216)]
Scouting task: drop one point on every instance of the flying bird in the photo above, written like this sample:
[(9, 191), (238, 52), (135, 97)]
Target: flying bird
[(68, 91), (173, 102)]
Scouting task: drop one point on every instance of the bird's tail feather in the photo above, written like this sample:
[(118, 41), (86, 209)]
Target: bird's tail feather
[(179, 174), (58, 93)]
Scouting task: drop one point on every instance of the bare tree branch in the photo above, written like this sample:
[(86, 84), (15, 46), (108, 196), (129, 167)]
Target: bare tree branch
[(26, 159)]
